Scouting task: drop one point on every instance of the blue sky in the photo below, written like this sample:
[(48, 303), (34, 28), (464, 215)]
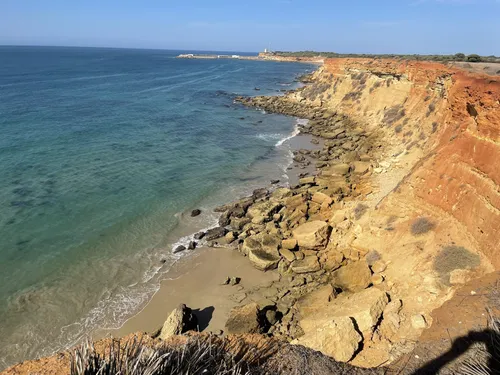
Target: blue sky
[(357, 26)]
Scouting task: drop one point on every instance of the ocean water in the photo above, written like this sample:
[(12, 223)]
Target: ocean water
[(103, 153)]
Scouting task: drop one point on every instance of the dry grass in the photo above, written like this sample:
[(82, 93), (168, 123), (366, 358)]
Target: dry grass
[(452, 258), (394, 114), (360, 210), (199, 355), (422, 225), (372, 257)]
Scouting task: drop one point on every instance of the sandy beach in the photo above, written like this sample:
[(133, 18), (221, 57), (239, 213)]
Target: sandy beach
[(197, 280)]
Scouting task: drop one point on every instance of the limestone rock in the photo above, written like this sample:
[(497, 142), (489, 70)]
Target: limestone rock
[(287, 254), (354, 277), (289, 244), (379, 266), (244, 319), (338, 217), (364, 307), (332, 260), (418, 322), (262, 250), (307, 180), (306, 265), (377, 279), (179, 321), (361, 167), (336, 337), (312, 234), (337, 170), (315, 300), (229, 237), (320, 198), (262, 211), (214, 233), (391, 319)]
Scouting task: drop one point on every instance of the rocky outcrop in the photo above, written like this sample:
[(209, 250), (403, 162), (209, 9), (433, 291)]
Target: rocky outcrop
[(179, 321)]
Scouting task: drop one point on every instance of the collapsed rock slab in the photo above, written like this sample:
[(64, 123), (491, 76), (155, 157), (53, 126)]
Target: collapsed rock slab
[(306, 265), (336, 337), (214, 233), (179, 321), (315, 300), (260, 212), (262, 250), (364, 307), (312, 234), (244, 319)]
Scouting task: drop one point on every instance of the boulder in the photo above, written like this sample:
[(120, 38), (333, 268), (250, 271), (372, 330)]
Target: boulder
[(307, 180), (179, 248), (179, 321), (239, 223), (315, 300), (199, 235), (192, 245), (353, 277), (338, 217), (287, 254), (244, 319), (195, 212), (337, 170), (418, 322), (335, 337), (313, 234), (306, 265), (322, 198), (229, 237), (262, 250), (391, 319), (379, 266), (360, 167), (364, 307), (214, 233), (289, 244), (262, 211)]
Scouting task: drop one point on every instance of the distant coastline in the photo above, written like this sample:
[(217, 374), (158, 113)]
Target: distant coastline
[(262, 56)]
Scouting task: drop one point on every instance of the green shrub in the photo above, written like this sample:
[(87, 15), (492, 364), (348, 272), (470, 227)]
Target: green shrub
[(474, 58)]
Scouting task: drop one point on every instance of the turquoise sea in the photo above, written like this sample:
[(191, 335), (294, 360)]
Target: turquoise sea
[(103, 153)]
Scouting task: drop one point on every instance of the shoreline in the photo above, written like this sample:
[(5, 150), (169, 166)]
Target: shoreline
[(177, 282)]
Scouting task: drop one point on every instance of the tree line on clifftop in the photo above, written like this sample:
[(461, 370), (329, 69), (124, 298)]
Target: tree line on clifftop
[(443, 58)]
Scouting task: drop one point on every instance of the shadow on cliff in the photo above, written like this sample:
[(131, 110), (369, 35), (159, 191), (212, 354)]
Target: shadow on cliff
[(476, 353)]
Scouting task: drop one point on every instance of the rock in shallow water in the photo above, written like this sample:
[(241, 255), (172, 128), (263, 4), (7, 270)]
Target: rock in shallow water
[(195, 212), (214, 233), (199, 235), (179, 248)]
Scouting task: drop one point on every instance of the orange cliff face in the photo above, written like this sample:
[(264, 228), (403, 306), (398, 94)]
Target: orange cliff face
[(448, 118)]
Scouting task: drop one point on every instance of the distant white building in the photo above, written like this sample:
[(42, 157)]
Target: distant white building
[(235, 56)]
